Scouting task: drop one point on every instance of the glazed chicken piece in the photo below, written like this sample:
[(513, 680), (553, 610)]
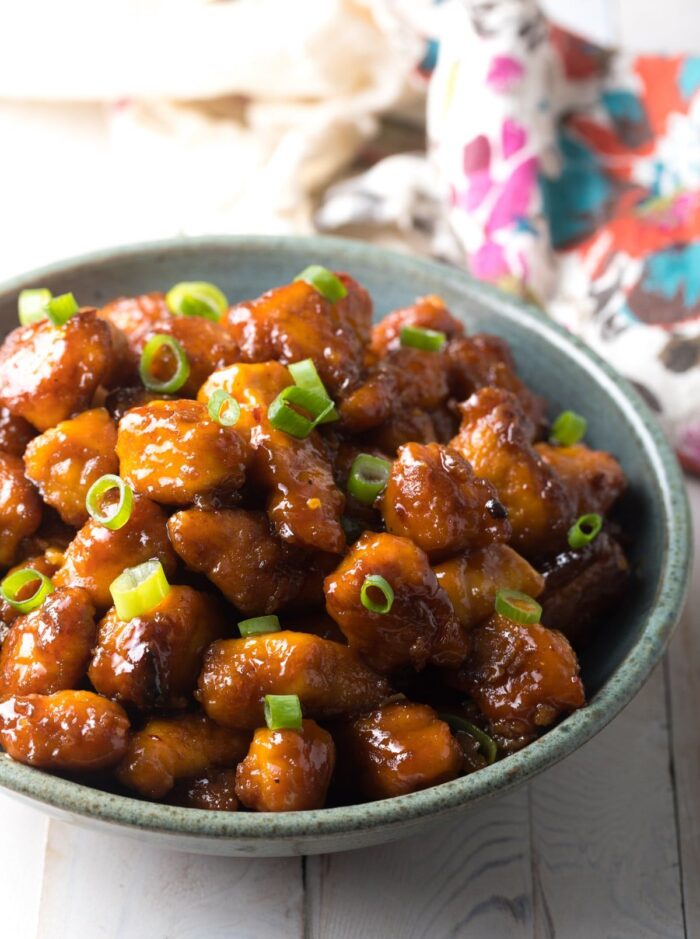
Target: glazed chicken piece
[(287, 770), (239, 554), (495, 438), (97, 555), (296, 322), (472, 580), (410, 426), (304, 505), (48, 649), (67, 459), (69, 731), (20, 507), (594, 479), (521, 677), (214, 791), (426, 313), (398, 748), (15, 433), (153, 660), (173, 748), (434, 499), (172, 451), (328, 678), (136, 316), (49, 372)]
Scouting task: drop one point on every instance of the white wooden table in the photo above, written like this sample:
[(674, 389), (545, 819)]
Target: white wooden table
[(606, 845)]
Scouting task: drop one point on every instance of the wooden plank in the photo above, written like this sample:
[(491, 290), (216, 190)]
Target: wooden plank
[(22, 841), (604, 842), (468, 877), (105, 887)]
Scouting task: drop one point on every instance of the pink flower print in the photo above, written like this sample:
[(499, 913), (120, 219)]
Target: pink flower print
[(489, 262), (476, 158), (513, 137), (515, 198), (504, 73)]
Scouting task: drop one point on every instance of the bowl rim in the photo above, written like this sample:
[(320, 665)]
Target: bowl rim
[(575, 730)]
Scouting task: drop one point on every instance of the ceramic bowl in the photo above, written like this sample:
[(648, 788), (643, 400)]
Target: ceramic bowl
[(654, 511)]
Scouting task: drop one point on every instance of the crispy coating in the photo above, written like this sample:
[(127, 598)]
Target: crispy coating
[(67, 459), (97, 555), (214, 791), (304, 505), (236, 550), (20, 507), (472, 580), (495, 438), (398, 748), (426, 313), (173, 452), (594, 479), (434, 498), (328, 678), (287, 770), (420, 627), (172, 748), (154, 660), (49, 649), (69, 731), (15, 432), (49, 372), (522, 677), (295, 322)]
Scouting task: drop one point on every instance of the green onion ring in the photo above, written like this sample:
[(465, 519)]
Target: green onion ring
[(258, 625), (32, 304), (487, 744), (568, 429), (13, 584), (283, 416), (197, 298), (518, 607), (585, 530), (283, 712), (137, 590), (305, 375), (148, 357), (60, 309), (430, 340), (377, 582), (115, 516), (324, 281), (223, 409), (368, 477)]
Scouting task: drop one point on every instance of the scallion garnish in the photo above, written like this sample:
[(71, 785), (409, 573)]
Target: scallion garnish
[(114, 516), (223, 409), (258, 625), (283, 415), (487, 744), (374, 583), (368, 477), (324, 281), (13, 586), (32, 305), (568, 429), (305, 375), (60, 309), (585, 530), (283, 712), (518, 607), (430, 340), (148, 360), (139, 589), (197, 298)]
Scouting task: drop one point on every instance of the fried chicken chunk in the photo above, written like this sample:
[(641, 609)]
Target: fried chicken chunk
[(521, 677), (172, 748), (593, 478), (426, 313), (15, 433), (172, 451), (419, 628), (287, 770), (214, 791), (153, 660), (495, 438), (328, 678), (236, 550), (97, 555), (20, 507), (398, 748), (67, 459), (69, 731), (433, 497), (49, 649), (49, 372)]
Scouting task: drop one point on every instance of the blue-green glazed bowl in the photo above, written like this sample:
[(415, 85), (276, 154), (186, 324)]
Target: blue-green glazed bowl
[(655, 513)]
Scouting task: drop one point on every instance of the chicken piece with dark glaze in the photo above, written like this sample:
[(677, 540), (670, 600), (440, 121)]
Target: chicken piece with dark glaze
[(213, 791), (593, 478), (15, 433), (67, 459), (286, 770), (169, 749), (20, 507), (433, 497), (419, 628), (153, 660), (49, 649), (426, 313), (328, 678)]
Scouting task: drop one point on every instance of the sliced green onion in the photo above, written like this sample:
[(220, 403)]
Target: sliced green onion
[(325, 281), (488, 745), (197, 298), (32, 305), (284, 417), (431, 340), (139, 589), (148, 358), (114, 516), (585, 530), (568, 429), (12, 586), (60, 309), (368, 477), (283, 712), (377, 582), (223, 409), (258, 625), (518, 606), (305, 376)]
